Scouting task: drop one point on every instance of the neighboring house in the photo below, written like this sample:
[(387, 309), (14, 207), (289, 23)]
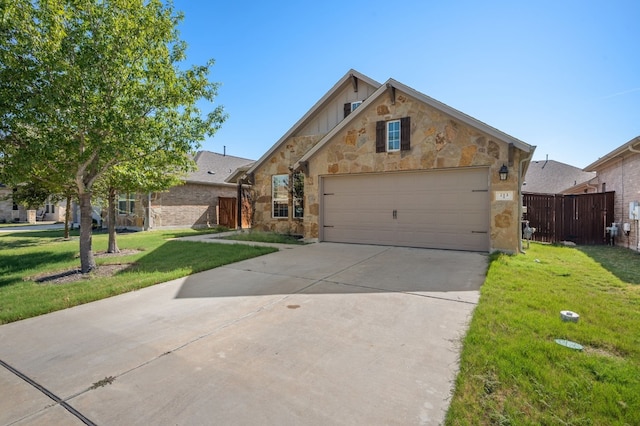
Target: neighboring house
[(11, 212), (619, 171), (554, 177), (384, 164), (205, 199)]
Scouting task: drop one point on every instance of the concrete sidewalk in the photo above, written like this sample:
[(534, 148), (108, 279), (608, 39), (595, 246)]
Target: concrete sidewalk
[(319, 334), (40, 226)]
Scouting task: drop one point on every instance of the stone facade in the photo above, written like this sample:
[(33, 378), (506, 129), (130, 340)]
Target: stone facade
[(281, 162), (438, 141), (8, 214)]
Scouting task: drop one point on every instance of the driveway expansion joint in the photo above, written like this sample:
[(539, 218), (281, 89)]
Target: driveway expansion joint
[(409, 293), (62, 402)]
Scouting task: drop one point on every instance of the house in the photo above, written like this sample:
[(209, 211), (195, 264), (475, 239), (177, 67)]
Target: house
[(619, 171), (385, 164), (204, 199), (10, 212), (553, 177)]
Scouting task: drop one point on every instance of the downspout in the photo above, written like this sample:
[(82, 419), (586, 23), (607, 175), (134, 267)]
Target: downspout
[(520, 179), (635, 151)]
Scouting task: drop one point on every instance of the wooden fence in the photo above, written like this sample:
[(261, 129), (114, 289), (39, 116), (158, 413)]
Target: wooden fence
[(579, 218)]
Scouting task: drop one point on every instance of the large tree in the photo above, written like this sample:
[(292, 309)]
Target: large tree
[(87, 85)]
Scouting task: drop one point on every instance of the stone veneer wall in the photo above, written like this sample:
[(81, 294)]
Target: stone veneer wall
[(437, 142), (623, 177), (279, 163)]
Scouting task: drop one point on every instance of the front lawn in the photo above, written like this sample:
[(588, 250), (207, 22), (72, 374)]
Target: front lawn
[(513, 372), (265, 237), (154, 258)]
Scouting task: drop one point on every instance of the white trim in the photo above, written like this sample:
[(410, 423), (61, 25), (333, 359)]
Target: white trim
[(388, 123), (479, 125), (278, 200), (346, 79), (624, 149)]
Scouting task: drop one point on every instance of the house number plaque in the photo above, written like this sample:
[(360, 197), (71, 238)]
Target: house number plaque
[(503, 195)]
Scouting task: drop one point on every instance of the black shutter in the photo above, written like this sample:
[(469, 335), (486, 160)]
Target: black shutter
[(347, 109), (380, 136), (405, 133)]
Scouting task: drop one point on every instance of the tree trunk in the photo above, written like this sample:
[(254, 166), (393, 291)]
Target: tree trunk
[(67, 217), (87, 262), (113, 244)]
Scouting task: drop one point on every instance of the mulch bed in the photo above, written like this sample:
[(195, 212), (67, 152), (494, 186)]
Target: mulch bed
[(73, 275)]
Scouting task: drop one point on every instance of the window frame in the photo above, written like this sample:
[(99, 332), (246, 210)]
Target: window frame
[(49, 206), (355, 105), (397, 139), (278, 197), (129, 200)]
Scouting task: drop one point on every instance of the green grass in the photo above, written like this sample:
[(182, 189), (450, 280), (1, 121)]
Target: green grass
[(266, 237), (513, 373), (28, 254), (622, 262)]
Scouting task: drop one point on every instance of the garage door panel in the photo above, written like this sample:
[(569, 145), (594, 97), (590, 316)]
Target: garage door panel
[(443, 209)]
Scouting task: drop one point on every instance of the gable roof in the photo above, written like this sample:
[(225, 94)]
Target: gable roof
[(553, 177), (393, 84), (630, 148), (214, 168), (344, 81)]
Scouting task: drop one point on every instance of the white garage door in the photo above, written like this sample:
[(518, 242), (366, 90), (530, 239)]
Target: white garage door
[(436, 209)]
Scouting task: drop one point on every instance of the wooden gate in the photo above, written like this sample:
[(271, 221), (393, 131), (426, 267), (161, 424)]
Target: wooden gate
[(579, 218), (227, 212)]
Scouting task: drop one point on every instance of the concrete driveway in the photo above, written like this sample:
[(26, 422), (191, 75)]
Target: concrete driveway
[(320, 334)]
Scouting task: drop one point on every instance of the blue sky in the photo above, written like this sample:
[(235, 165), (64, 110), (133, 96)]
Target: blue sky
[(561, 75)]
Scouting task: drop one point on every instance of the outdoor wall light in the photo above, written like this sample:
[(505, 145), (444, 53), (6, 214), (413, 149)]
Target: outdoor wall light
[(504, 172)]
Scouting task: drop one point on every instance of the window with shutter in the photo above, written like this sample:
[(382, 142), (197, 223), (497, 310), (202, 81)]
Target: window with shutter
[(349, 107), (394, 135)]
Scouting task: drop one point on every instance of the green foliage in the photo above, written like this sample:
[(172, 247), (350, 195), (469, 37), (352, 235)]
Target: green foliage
[(95, 91), (160, 259), (30, 195), (513, 372), (95, 84)]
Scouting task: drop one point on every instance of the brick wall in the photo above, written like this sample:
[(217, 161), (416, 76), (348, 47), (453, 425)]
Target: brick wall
[(188, 205), (623, 177)]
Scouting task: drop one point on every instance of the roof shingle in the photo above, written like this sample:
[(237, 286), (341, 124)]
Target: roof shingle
[(214, 168), (553, 177)]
